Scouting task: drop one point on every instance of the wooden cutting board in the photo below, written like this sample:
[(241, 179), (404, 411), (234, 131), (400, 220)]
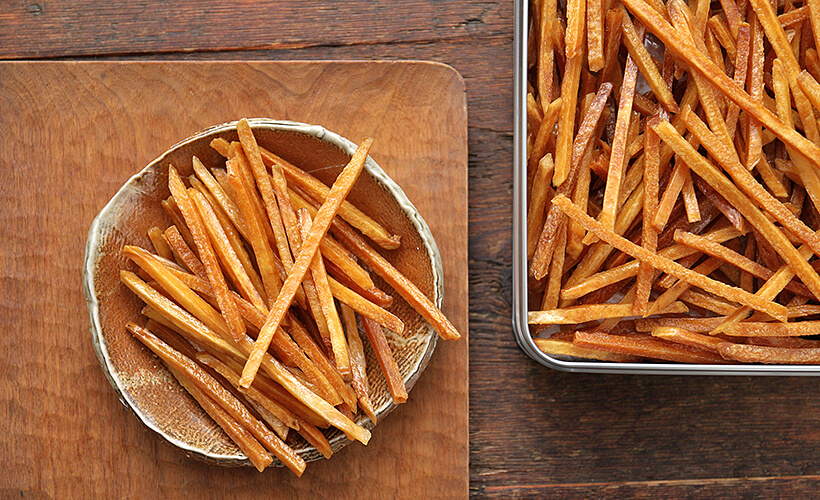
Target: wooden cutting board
[(73, 133)]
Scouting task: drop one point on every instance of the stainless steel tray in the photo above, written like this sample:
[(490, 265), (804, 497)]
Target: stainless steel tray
[(519, 313)]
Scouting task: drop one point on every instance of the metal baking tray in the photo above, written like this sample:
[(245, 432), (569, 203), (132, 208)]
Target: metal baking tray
[(519, 313)]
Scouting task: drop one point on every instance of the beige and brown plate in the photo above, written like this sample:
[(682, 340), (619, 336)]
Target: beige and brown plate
[(142, 382)]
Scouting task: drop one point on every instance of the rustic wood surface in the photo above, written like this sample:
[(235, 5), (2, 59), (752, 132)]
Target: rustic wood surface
[(533, 432)]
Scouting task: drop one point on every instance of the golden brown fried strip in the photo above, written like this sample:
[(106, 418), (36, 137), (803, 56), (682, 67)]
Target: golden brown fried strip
[(770, 355), (386, 361), (732, 293), (308, 249), (222, 396)]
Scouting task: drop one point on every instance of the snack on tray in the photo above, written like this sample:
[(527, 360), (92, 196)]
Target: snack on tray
[(673, 180), (243, 296)]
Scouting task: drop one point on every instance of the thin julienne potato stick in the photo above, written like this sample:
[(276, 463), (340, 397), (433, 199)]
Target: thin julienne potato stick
[(580, 196), (741, 71), (732, 293), (235, 240), (576, 21), (310, 244), (252, 392), (683, 336), (692, 324), (595, 35), (814, 13), (163, 310), (566, 121), (206, 254), (386, 361), (649, 236), (177, 342), (200, 309), (700, 63), (161, 246), (358, 362), (341, 354), (255, 452), (780, 44), (617, 159), (773, 355), (345, 262), (170, 207), (582, 314), (257, 238), (774, 236), (551, 115), (225, 202), (690, 199), (670, 196), (550, 300), (395, 279), (562, 347), (372, 294), (757, 329), (706, 268), (312, 349), (222, 396), (546, 56), (364, 307), (224, 250), (183, 252), (633, 41), (745, 181), (741, 262), (589, 123), (536, 208), (645, 346), (314, 187), (810, 87)]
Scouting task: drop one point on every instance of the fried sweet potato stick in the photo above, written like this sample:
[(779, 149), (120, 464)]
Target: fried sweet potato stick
[(747, 183), (395, 279), (566, 121), (710, 174), (386, 361), (256, 235), (562, 347), (687, 337), (770, 355), (646, 346), (595, 35), (341, 354), (732, 293), (590, 312), (617, 159), (310, 244), (633, 40), (224, 250), (700, 63), (183, 252), (206, 254), (358, 362), (315, 188), (222, 396), (576, 21)]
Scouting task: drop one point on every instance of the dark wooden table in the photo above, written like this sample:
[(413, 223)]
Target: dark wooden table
[(533, 432)]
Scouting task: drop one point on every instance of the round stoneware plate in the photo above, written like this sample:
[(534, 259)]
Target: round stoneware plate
[(141, 380)]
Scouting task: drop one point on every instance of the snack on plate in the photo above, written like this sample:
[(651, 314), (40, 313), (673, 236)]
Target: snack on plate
[(673, 177), (254, 294)]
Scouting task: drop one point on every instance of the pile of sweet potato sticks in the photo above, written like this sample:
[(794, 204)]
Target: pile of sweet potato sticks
[(248, 240), (673, 182)]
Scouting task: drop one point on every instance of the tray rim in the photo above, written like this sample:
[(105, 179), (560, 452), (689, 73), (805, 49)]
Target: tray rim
[(519, 278)]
